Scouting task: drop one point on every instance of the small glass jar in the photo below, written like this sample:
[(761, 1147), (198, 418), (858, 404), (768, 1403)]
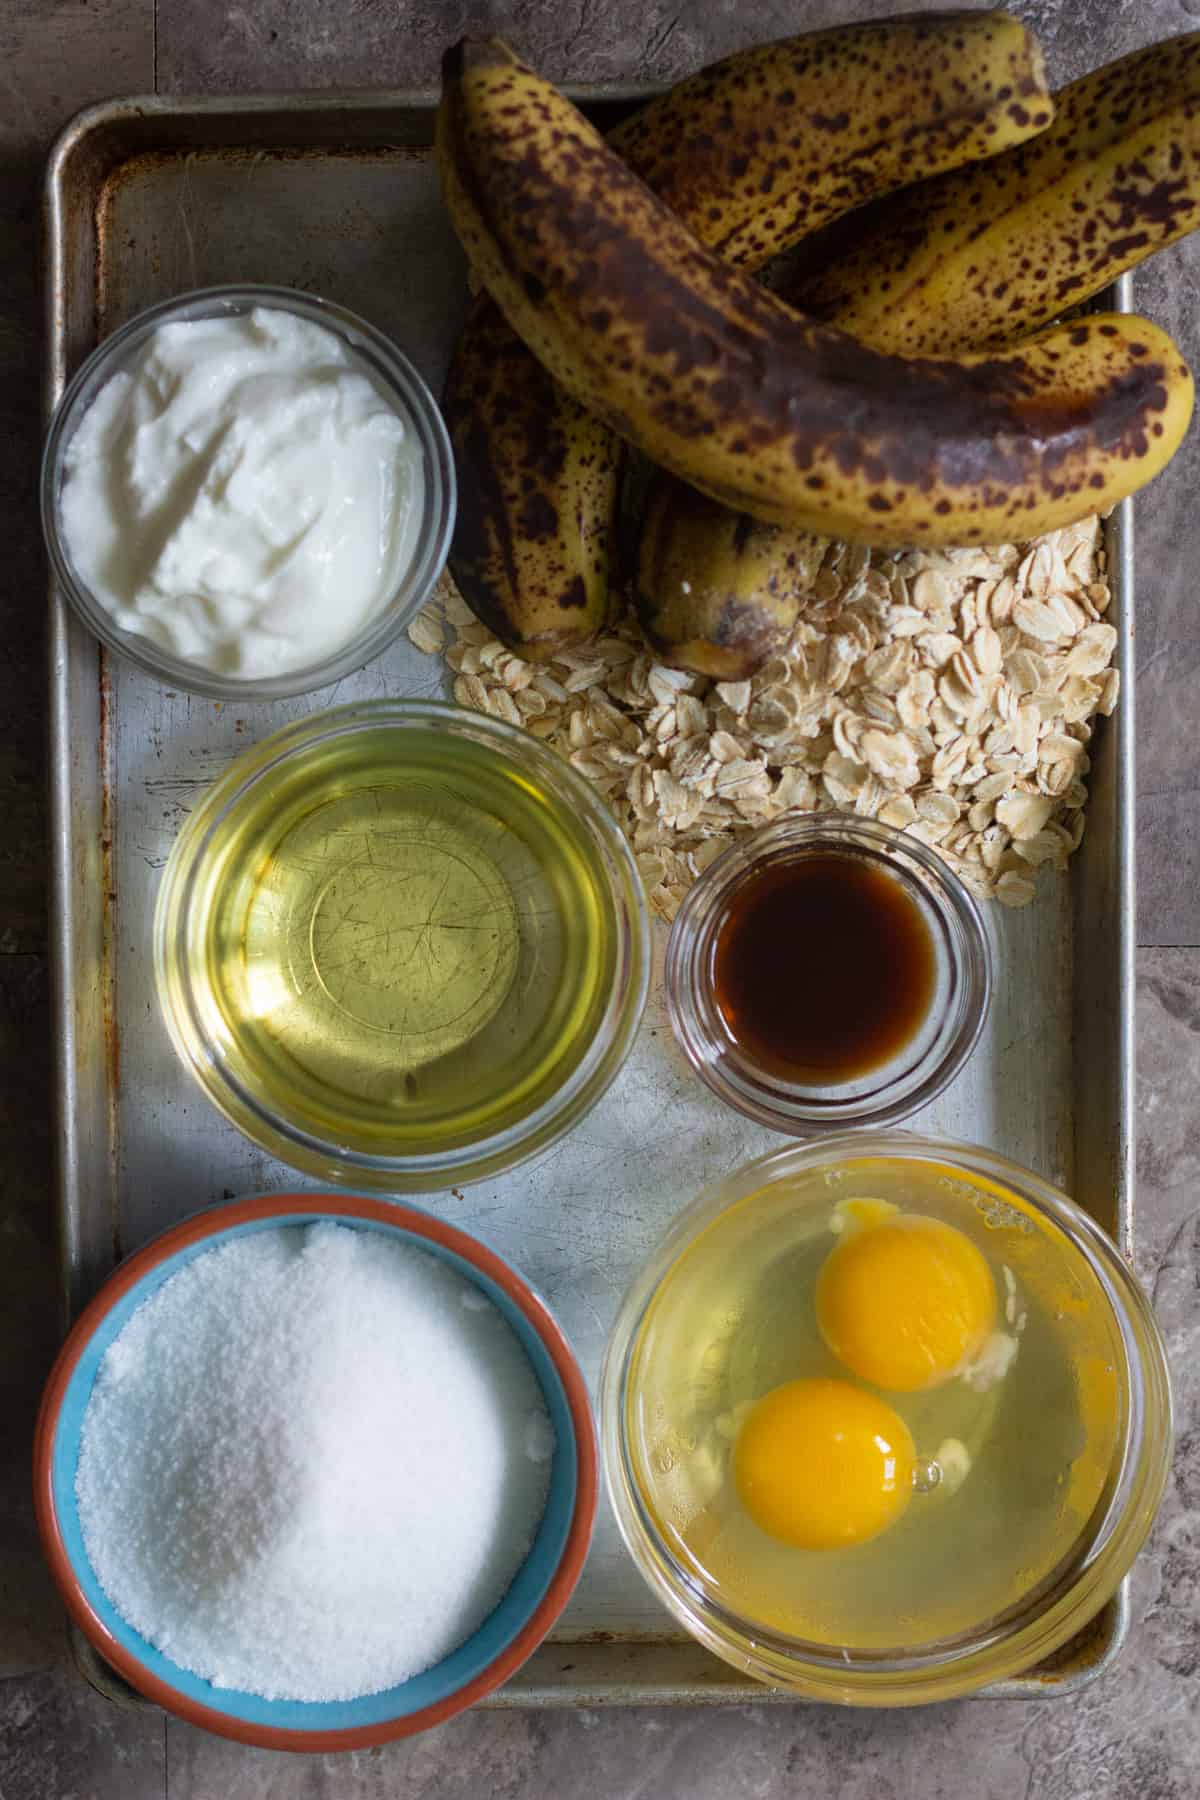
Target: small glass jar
[(396, 379), (910, 1077)]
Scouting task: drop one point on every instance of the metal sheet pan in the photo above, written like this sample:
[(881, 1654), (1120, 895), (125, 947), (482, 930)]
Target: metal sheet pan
[(338, 194)]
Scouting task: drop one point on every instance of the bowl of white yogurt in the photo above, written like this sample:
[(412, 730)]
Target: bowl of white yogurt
[(248, 492)]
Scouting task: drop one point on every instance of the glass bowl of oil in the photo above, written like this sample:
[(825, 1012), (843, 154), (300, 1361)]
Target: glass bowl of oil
[(885, 1419), (401, 945), (828, 972)]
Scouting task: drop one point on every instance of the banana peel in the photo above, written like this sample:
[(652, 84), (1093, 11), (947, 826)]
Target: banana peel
[(981, 257), (537, 575), (752, 152), (713, 378), (718, 592)]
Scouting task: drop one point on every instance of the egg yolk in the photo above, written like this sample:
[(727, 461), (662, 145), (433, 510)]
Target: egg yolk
[(905, 1303), (822, 1465)]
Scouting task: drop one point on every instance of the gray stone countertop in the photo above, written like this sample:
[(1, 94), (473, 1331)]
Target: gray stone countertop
[(1132, 1735)]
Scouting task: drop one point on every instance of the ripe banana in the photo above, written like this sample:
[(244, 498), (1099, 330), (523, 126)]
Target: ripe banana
[(751, 153), (716, 591), (538, 484), (982, 256), (762, 148), (713, 378), (975, 258)]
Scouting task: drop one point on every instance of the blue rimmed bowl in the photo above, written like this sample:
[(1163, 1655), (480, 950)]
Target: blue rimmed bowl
[(506, 1638)]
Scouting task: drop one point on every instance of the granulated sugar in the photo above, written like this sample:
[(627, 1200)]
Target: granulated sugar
[(312, 1463)]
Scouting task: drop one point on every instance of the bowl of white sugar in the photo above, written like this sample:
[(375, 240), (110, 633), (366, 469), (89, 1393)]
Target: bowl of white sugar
[(247, 491), (315, 1471)]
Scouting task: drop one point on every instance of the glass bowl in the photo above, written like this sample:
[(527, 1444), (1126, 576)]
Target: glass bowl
[(391, 372), (539, 1591), (402, 944), (923, 1065), (703, 1329)]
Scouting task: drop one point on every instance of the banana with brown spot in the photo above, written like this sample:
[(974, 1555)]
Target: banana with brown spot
[(538, 480), (718, 592), (981, 257), (752, 152), (762, 148), (713, 378)]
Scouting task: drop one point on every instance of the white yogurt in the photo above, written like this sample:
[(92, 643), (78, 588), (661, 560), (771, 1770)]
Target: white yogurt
[(243, 494)]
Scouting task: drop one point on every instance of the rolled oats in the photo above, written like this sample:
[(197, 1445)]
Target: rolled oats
[(1037, 620), (1023, 815), (1014, 889), (949, 694), (426, 630)]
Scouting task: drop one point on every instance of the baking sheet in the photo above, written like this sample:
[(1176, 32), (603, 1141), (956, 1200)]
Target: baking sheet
[(338, 195)]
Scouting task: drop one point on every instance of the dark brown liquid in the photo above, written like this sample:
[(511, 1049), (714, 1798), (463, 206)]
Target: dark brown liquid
[(824, 968)]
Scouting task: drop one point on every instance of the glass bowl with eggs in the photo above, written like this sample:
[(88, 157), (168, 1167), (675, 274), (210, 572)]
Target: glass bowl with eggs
[(885, 1419), (248, 492)]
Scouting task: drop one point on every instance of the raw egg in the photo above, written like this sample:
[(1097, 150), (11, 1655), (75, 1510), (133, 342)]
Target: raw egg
[(904, 1301), (822, 1465), (861, 1411)]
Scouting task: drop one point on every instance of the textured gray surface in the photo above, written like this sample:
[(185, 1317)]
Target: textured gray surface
[(1133, 1736)]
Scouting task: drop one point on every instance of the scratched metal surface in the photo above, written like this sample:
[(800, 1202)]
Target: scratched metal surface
[(339, 196)]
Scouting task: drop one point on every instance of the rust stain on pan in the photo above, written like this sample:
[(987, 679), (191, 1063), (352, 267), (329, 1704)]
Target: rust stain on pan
[(1085, 1651), (141, 169)]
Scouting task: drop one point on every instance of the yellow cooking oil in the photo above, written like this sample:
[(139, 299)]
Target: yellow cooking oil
[(400, 940), (1013, 1448)]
